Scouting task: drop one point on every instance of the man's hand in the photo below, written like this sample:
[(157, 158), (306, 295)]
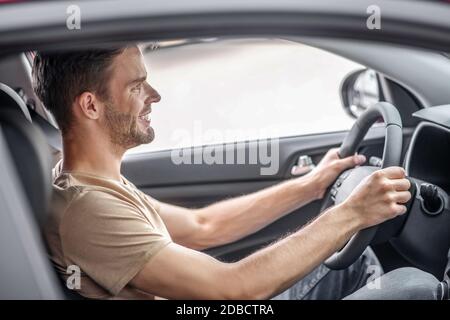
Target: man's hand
[(330, 167), (379, 197)]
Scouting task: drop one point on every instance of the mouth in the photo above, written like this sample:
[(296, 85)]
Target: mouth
[(145, 117)]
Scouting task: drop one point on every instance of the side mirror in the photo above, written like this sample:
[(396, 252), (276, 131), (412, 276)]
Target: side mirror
[(360, 90)]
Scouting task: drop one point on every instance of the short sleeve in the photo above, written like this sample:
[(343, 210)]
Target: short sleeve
[(155, 203), (109, 238)]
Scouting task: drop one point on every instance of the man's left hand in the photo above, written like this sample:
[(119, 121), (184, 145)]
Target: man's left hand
[(330, 167)]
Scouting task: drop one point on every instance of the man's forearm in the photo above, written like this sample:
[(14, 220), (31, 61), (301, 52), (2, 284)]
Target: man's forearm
[(277, 267), (233, 219), (177, 272)]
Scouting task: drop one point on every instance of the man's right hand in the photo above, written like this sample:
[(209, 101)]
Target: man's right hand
[(379, 197)]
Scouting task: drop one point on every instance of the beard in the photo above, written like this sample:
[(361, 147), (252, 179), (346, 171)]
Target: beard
[(124, 130)]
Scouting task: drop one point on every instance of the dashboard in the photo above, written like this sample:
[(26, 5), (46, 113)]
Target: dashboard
[(428, 157), (424, 238)]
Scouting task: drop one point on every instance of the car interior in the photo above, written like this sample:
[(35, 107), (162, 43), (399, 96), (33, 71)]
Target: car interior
[(30, 145)]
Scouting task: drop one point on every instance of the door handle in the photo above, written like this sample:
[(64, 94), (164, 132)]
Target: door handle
[(303, 166)]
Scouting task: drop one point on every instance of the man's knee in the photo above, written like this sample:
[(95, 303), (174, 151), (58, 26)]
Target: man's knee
[(415, 283), (400, 284)]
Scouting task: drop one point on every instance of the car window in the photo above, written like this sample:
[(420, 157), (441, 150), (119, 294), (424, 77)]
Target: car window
[(236, 90)]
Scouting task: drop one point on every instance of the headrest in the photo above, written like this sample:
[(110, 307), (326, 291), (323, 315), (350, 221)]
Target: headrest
[(9, 97)]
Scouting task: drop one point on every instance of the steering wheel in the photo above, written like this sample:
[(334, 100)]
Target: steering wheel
[(349, 179)]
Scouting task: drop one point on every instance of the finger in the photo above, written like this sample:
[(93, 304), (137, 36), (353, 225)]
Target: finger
[(399, 209), (334, 150), (401, 184), (352, 161), (333, 153), (394, 172), (402, 197)]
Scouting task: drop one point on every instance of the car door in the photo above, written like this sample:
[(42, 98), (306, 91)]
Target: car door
[(195, 171)]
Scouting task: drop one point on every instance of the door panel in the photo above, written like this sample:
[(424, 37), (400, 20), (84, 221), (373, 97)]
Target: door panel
[(197, 185)]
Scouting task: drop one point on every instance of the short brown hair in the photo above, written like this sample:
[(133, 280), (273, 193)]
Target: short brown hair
[(59, 77)]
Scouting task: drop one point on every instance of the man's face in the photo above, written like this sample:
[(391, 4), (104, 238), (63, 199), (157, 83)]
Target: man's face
[(127, 111)]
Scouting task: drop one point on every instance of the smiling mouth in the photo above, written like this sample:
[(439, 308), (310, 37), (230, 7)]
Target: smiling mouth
[(145, 116)]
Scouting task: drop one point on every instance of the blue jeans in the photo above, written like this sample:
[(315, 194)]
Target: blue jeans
[(363, 280)]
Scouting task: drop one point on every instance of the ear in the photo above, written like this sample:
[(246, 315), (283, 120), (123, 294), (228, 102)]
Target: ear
[(89, 106)]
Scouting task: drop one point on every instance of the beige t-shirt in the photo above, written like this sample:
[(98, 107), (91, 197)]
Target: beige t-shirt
[(109, 229)]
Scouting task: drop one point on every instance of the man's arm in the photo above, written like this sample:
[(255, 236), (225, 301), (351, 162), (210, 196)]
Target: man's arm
[(233, 219), (179, 273)]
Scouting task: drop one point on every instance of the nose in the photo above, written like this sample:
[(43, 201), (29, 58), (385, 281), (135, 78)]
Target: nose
[(157, 97), (153, 95)]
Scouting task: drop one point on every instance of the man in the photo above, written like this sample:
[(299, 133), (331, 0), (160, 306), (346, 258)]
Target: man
[(129, 245)]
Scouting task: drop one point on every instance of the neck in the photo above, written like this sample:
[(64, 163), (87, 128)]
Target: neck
[(93, 156)]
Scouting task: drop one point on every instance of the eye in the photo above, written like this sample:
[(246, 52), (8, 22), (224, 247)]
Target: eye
[(138, 87)]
